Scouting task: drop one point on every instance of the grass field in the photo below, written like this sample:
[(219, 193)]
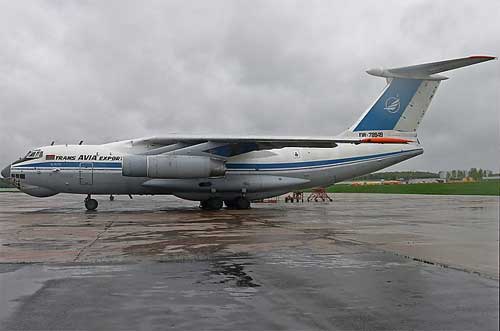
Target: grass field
[(9, 189), (475, 188)]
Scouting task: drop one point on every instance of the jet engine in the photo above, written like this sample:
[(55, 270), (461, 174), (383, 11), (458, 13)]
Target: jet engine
[(172, 166)]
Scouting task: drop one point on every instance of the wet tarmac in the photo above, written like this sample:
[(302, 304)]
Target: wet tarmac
[(363, 262)]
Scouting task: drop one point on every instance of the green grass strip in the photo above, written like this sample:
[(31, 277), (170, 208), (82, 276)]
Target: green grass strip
[(475, 188)]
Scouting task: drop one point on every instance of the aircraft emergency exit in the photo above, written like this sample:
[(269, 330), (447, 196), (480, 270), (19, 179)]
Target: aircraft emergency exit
[(235, 170)]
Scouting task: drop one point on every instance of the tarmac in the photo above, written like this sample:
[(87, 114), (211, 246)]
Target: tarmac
[(363, 262)]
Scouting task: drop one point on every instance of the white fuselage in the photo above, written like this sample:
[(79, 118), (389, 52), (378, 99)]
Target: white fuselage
[(97, 169)]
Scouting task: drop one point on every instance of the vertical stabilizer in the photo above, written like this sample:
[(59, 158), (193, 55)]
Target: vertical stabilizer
[(399, 109)]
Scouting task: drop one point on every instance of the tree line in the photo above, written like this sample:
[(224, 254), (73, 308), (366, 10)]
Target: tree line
[(396, 175), (474, 173)]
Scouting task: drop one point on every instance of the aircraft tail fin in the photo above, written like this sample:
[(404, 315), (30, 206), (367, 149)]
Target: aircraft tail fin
[(406, 97)]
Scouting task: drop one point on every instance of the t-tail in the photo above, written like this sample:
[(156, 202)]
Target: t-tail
[(399, 110)]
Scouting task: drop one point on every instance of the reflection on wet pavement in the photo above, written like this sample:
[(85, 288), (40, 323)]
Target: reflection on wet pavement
[(233, 272), (460, 232), (363, 262)]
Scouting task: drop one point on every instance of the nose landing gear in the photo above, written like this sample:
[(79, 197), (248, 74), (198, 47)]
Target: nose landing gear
[(90, 204)]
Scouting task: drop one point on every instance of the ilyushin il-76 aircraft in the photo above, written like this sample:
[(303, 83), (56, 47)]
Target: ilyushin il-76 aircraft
[(234, 170)]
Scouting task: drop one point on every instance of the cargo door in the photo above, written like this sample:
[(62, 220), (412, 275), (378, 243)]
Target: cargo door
[(86, 173)]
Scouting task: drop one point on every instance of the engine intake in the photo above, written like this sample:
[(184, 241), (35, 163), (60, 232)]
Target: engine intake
[(172, 166)]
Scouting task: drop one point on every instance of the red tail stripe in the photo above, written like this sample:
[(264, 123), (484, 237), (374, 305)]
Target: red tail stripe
[(386, 140)]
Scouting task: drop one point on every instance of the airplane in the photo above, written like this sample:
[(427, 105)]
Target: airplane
[(236, 170)]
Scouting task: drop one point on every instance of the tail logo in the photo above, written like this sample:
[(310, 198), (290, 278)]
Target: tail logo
[(392, 104)]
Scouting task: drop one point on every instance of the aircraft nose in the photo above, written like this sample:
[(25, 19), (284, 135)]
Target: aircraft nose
[(6, 172)]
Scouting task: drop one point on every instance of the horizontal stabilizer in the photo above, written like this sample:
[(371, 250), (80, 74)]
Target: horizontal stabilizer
[(427, 71)]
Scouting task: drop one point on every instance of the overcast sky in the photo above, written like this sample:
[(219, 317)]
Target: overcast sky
[(110, 70)]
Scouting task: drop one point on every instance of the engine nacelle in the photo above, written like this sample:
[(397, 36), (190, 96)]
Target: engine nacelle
[(172, 166)]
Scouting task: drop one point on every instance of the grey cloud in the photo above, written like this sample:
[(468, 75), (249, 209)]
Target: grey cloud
[(103, 71)]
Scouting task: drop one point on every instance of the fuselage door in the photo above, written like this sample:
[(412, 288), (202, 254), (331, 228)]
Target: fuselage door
[(86, 173)]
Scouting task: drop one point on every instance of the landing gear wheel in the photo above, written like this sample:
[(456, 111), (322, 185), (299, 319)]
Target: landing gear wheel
[(91, 204), (211, 204), (242, 203), (111, 197), (230, 204)]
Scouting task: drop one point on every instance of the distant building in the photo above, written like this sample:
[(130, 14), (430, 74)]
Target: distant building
[(424, 180), (443, 176), (491, 177)]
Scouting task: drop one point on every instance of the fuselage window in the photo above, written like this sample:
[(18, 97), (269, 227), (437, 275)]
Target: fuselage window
[(22, 176)]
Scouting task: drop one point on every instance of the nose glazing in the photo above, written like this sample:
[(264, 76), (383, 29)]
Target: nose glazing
[(6, 172)]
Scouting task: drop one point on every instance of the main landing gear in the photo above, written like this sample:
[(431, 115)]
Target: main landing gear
[(211, 204), (216, 204), (239, 203), (90, 204)]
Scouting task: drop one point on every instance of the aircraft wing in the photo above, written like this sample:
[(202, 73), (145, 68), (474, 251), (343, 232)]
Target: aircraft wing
[(228, 146), (278, 142)]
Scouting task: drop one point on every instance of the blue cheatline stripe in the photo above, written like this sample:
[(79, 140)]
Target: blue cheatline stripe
[(295, 165), (107, 165), (388, 109)]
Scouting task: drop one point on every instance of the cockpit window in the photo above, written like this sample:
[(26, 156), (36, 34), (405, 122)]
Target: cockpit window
[(36, 154), (31, 155)]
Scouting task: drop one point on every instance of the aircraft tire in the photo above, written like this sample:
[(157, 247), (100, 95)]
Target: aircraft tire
[(211, 204), (230, 204), (242, 203), (91, 204)]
